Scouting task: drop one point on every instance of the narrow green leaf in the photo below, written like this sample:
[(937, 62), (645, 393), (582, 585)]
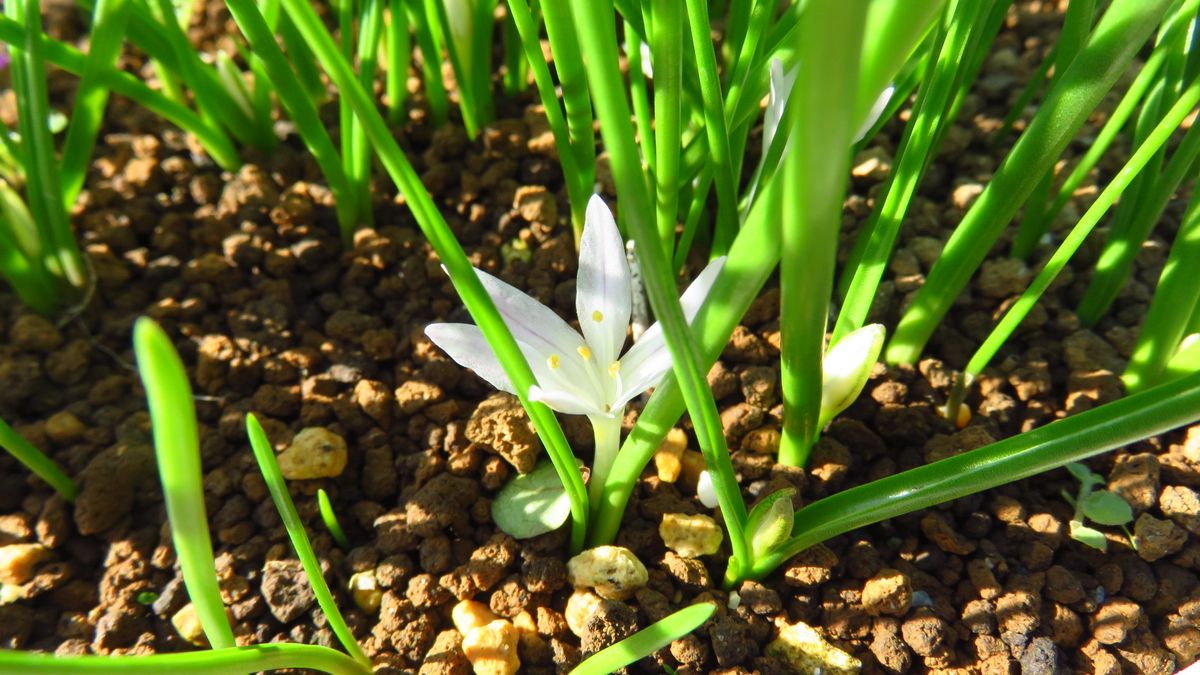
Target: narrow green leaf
[(646, 641), (37, 462), (177, 448), (226, 661), (273, 477)]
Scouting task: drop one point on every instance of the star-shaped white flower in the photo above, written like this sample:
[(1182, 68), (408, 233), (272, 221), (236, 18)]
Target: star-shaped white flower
[(577, 374)]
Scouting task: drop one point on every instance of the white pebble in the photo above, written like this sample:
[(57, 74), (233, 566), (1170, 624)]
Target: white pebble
[(705, 490)]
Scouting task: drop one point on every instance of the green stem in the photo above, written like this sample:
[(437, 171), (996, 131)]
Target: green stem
[(607, 431), (1175, 299), (715, 126), (666, 48), (568, 65), (814, 172)]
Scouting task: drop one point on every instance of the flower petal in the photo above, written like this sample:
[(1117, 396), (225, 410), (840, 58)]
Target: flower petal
[(466, 345), (530, 321), (877, 108), (603, 294), (644, 365), (561, 401)]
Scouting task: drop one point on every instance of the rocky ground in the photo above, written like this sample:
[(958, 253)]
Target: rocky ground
[(273, 316)]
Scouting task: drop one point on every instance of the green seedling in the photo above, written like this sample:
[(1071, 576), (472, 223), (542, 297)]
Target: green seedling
[(273, 477), (1102, 507), (646, 641), (331, 520), (37, 462)]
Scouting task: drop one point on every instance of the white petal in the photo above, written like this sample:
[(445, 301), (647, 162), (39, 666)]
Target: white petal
[(846, 367), (561, 401), (603, 294), (876, 110), (644, 365), (466, 345), (530, 321)]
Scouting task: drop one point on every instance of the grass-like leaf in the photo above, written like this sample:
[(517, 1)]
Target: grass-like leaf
[(177, 449), (331, 520), (646, 641), (227, 661), (37, 462), (1068, 440), (273, 477)]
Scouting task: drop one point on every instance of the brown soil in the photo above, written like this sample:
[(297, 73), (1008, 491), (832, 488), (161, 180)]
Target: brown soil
[(273, 316)]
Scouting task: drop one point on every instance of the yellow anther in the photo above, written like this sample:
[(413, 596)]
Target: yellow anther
[(597, 315), (553, 361), (614, 368), (584, 352)]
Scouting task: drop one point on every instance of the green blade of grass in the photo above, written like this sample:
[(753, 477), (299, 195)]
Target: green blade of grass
[(666, 47), (441, 238), (300, 107), (43, 190), (646, 641), (918, 144), (214, 139), (431, 61), (1068, 440), (579, 180), (1124, 178), (1121, 32), (37, 462), (358, 161), (177, 449), (568, 65), (21, 262), (331, 520), (399, 54), (814, 172), (273, 477), (228, 661), (1175, 299), (107, 35), (715, 126)]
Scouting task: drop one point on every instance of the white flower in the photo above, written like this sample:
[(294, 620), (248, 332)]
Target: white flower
[(706, 492), (846, 367), (577, 374)]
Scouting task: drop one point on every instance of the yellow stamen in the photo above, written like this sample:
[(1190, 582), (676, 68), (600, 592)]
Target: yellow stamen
[(584, 352), (614, 368), (597, 315), (553, 362)]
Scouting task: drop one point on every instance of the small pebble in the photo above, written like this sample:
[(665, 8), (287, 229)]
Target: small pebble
[(492, 648), (614, 572), (187, 624), (315, 452), (806, 651), (690, 536)]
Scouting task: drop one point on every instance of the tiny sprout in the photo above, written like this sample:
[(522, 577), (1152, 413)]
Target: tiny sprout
[(147, 598), (1099, 506), (770, 522)]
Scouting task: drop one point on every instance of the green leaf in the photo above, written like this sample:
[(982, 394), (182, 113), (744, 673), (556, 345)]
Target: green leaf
[(1080, 471), (532, 504), (770, 522), (1106, 508), (1086, 535), (646, 641)]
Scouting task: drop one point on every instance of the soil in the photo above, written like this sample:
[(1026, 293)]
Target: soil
[(272, 315)]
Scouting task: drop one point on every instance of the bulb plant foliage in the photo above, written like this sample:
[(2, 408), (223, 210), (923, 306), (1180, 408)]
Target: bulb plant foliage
[(677, 126)]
